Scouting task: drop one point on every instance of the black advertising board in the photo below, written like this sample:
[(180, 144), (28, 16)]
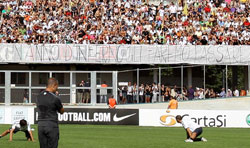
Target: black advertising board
[(97, 116)]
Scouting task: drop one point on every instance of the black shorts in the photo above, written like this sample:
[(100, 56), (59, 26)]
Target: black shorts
[(198, 131), (27, 134)]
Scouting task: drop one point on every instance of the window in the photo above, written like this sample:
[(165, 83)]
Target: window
[(18, 78), (2, 78), (59, 77), (43, 78)]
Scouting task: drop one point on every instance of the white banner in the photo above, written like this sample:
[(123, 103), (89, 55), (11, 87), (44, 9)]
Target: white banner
[(124, 54), (205, 118)]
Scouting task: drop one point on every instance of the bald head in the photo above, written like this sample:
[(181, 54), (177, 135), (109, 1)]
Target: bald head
[(52, 85)]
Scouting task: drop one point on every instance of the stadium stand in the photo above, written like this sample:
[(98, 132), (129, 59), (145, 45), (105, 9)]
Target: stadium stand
[(196, 22)]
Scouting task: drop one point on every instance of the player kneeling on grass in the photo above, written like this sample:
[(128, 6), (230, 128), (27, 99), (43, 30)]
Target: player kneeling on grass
[(21, 126), (193, 130)]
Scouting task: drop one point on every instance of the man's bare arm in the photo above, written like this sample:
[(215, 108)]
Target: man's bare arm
[(11, 134), (31, 136), (61, 110)]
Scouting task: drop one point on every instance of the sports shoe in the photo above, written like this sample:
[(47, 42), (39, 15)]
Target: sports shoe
[(203, 139), (189, 140)]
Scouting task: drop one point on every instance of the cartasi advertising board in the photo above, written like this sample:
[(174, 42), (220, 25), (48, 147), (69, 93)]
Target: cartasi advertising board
[(98, 116), (204, 118)]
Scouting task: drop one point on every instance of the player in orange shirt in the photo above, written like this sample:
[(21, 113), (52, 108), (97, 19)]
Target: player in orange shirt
[(173, 104), (112, 102)]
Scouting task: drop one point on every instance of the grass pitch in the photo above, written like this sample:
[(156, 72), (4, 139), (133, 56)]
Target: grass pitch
[(106, 136)]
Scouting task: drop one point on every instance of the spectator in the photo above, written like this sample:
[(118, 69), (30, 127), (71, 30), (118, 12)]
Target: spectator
[(212, 94), (184, 94), (141, 93), (236, 92), (86, 97), (207, 93), (229, 93), (148, 93), (167, 94), (124, 94), (80, 92), (155, 92), (26, 96), (173, 92), (190, 93), (103, 92), (135, 92), (222, 93), (162, 92), (130, 93)]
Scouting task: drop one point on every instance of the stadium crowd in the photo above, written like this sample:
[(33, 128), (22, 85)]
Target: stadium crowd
[(196, 22), (150, 93)]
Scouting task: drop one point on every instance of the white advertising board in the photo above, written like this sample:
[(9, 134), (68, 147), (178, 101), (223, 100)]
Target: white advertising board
[(18, 114), (205, 118), (2, 115), (11, 114)]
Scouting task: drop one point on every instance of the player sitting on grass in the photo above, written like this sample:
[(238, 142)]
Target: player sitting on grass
[(112, 102), (193, 130), (21, 126)]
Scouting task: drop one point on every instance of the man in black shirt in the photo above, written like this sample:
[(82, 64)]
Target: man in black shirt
[(48, 104), (203, 41)]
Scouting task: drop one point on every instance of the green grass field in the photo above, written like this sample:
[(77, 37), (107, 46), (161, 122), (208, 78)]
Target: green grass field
[(100, 136)]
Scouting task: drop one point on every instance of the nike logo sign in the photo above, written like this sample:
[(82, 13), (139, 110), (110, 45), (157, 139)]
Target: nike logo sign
[(117, 119)]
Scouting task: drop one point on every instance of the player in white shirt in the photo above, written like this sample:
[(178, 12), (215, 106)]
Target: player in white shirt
[(23, 126), (193, 130)]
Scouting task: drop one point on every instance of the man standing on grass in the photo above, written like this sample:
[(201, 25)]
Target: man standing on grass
[(48, 104), (193, 130)]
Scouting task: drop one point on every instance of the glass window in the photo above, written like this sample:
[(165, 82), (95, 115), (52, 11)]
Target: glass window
[(103, 94), (35, 93), (43, 78), (2, 95), (20, 79), (83, 96), (39, 79), (64, 95), (82, 78), (63, 79), (19, 96), (2, 79), (104, 79)]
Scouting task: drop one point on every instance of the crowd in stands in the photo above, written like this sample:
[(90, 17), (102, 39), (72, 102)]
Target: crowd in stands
[(196, 22), (150, 93)]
